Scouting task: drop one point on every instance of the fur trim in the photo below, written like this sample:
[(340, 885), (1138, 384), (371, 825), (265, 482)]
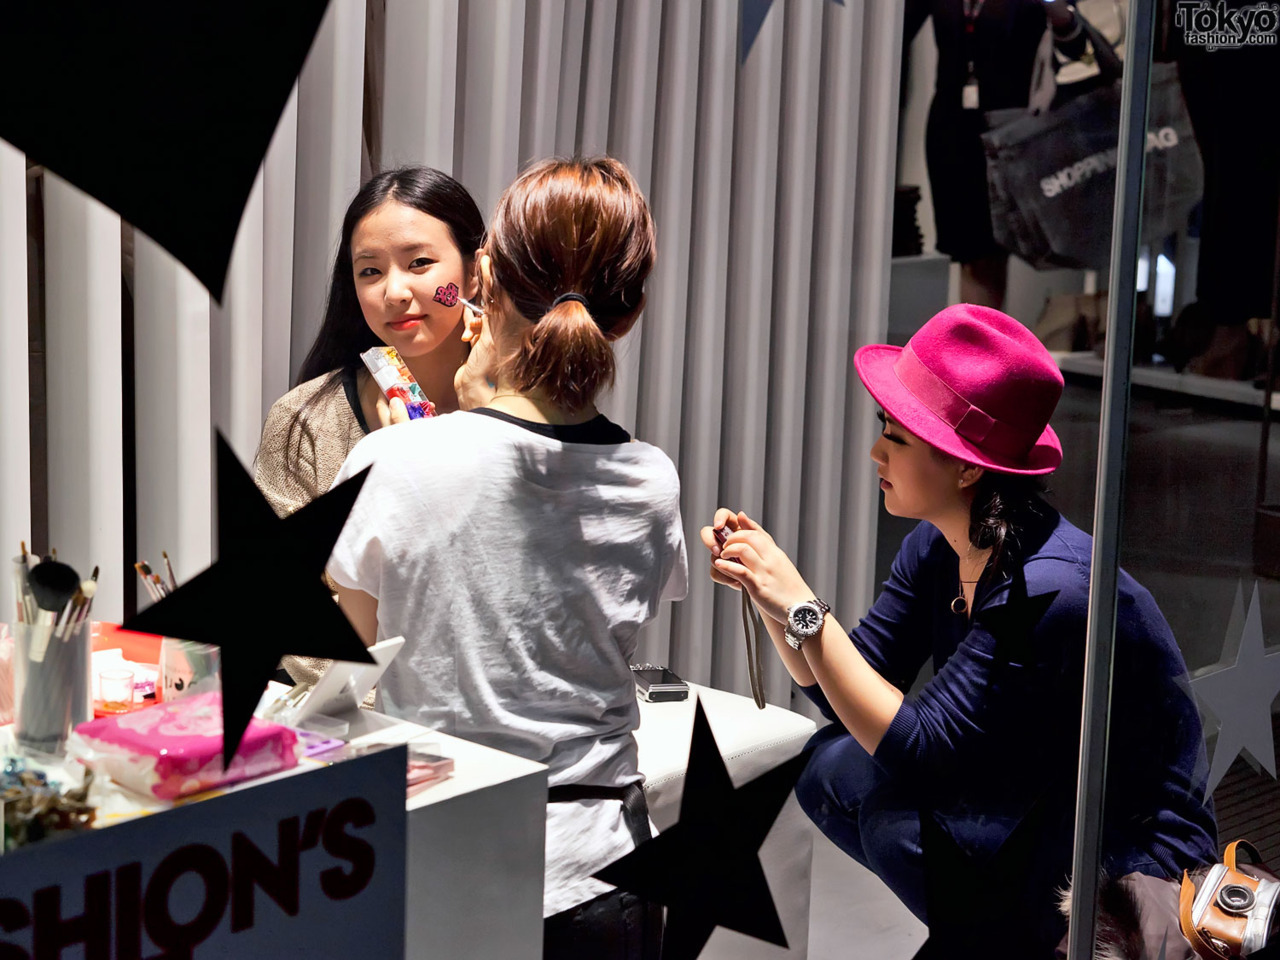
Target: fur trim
[(1064, 899), (1119, 931)]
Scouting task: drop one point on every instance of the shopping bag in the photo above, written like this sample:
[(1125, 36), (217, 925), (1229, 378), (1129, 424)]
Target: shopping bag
[(1051, 176)]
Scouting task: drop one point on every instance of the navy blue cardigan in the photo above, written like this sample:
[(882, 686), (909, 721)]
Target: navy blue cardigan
[(997, 729)]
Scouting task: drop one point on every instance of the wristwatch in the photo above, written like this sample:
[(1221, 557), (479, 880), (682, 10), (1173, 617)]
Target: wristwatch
[(804, 620)]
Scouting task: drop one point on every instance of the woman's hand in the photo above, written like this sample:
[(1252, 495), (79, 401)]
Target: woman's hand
[(474, 380), (391, 411), (750, 559), (723, 518)]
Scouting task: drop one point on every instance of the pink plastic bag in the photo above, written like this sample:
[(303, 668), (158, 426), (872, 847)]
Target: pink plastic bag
[(174, 749)]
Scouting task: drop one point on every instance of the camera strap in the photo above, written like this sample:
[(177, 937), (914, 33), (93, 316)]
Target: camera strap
[(754, 630)]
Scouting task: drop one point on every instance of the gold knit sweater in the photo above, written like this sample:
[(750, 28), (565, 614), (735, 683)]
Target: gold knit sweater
[(314, 445)]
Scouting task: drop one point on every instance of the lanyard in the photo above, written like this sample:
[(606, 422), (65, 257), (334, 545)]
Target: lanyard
[(972, 10)]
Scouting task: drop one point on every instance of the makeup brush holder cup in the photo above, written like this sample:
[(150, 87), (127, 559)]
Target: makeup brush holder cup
[(52, 685)]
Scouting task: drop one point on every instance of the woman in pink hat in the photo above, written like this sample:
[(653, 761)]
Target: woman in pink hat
[(961, 797)]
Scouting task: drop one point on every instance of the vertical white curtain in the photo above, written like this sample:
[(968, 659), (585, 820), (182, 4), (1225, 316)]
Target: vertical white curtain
[(15, 403), (770, 180), (487, 117), (420, 83), (747, 302), (700, 427), (174, 415), (660, 405), (327, 165), (236, 336), (792, 313), (277, 255), (872, 233), (634, 101), (828, 378), (84, 389)]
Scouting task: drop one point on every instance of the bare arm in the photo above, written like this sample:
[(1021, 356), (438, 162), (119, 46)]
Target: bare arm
[(865, 702), (362, 610)]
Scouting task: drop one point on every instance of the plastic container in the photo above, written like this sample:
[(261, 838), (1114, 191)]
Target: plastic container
[(52, 685)]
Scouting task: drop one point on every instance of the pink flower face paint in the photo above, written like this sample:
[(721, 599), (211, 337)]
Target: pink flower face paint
[(448, 295)]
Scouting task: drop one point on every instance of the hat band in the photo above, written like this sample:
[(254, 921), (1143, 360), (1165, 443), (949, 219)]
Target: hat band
[(968, 421)]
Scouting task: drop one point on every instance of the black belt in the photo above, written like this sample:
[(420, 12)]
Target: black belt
[(635, 814), (635, 809)]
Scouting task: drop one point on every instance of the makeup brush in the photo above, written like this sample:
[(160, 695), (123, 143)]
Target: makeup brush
[(69, 612), (144, 572), (76, 658), (52, 584), (156, 582), (87, 589), (168, 567), (21, 595)]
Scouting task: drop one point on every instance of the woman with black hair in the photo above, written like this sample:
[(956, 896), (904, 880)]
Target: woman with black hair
[(964, 793), (405, 257)]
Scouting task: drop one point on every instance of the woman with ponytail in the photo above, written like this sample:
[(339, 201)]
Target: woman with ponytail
[(964, 792), (519, 547)]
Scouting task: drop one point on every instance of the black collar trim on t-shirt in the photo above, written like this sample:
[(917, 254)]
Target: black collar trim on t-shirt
[(351, 388), (598, 430)]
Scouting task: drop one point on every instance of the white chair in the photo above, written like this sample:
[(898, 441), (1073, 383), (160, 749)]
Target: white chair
[(751, 741)]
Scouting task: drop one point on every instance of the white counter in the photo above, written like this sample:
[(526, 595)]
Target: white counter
[(476, 849)]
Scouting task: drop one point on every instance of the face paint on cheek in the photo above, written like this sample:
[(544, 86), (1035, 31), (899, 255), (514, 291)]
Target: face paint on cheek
[(448, 295)]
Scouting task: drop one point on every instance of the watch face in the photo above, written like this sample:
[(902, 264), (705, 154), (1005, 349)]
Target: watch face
[(806, 619)]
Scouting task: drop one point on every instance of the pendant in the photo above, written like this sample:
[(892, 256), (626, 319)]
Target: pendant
[(958, 605)]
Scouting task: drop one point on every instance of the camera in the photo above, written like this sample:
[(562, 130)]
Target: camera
[(658, 684)]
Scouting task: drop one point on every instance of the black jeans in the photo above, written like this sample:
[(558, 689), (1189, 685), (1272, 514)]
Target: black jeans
[(616, 925)]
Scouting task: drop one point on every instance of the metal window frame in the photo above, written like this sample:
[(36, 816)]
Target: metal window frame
[(1113, 438)]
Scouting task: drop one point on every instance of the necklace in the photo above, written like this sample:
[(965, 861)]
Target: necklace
[(960, 605)]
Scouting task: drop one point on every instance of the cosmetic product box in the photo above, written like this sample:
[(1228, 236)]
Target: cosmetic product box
[(174, 749)]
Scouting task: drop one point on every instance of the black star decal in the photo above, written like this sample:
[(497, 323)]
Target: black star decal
[(706, 869), (172, 126), (1014, 622), (264, 596)]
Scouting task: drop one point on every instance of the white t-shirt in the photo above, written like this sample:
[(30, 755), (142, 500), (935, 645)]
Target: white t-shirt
[(519, 568)]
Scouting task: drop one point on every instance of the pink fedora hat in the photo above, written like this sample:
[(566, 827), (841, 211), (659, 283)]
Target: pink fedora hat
[(976, 384)]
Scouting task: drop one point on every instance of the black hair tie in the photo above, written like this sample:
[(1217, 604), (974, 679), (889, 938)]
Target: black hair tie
[(569, 296)]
